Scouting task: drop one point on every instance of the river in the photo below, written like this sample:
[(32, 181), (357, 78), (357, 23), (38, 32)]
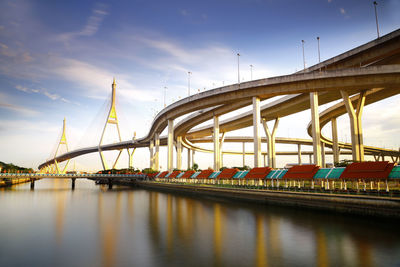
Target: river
[(53, 225)]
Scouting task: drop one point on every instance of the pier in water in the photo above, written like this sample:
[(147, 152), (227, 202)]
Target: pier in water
[(53, 225)]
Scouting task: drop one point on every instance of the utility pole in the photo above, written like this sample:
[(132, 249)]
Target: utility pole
[(251, 72), (165, 95), (238, 55), (189, 73), (376, 18), (304, 59)]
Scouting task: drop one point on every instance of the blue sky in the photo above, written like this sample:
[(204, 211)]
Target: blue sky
[(58, 58)]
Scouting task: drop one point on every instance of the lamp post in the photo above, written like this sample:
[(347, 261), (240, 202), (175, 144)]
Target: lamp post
[(238, 55), (304, 59), (189, 73), (376, 18), (251, 72), (165, 95), (319, 55)]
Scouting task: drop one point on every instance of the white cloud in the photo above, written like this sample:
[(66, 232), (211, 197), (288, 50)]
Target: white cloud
[(342, 11), (22, 88), (19, 109), (94, 21)]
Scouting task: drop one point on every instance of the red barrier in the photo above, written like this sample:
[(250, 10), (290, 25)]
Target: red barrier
[(367, 170), (301, 172), (187, 174), (163, 174), (227, 173), (174, 174), (152, 175), (205, 174), (258, 173)]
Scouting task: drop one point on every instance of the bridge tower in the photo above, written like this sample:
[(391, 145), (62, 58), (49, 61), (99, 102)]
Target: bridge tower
[(63, 141), (111, 119)]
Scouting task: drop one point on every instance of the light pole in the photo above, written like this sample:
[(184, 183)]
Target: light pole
[(189, 73), (319, 55), (304, 59), (251, 72), (165, 95), (376, 18), (238, 55)]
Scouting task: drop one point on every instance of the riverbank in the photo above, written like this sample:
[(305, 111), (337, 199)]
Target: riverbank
[(350, 204), (9, 182)]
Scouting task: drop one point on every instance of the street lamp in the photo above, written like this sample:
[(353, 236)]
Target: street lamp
[(376, 18), (251, 72), (238, 55), (319, 55), (165, 95), (304, 59), (189, 73)]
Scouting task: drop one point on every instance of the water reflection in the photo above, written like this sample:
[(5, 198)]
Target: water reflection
[(122, 227)]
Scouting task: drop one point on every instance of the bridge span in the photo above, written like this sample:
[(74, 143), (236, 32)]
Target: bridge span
[(359, 77)]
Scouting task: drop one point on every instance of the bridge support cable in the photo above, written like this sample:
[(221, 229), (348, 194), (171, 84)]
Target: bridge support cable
[(217, 155), (256, 131), (316, 130), (170, 149), (157, 152), (271, 142), (355, 123), (111, 119), (179, 152), (335, 141)]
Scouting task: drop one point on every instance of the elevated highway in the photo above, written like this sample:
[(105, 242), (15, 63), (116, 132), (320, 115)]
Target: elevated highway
[(371, 70)]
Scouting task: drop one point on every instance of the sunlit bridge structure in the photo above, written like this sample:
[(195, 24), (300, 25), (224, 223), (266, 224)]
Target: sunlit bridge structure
[(358, 77)]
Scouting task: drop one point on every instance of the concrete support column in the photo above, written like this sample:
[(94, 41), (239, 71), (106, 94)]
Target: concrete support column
[(221, 155), (170, 149), (256, 131), (271, 142), (130, 155), (355, 124), (335, 141), (316, 131), (299, 153), (310, 158), (189, 164), (244, 154), (179, 152), (216, 144), (151, 150), (323, 155), (193, 161), (157, 152)]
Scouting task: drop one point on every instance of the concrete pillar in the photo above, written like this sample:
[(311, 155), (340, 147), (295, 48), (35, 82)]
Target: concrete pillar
[(216, 144), (130, 156), (193, 161), (355, 124), (299, 153), (221, 155), (151, 148), (189, 164), (335, 141), (244, 154), (256, 131), (157, 152), (179, 152), (316, 131), (323, 155), (310, 157), (271, 142), (170, 149)]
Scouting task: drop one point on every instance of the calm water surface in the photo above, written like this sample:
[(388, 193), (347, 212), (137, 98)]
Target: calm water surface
[(94, 226)]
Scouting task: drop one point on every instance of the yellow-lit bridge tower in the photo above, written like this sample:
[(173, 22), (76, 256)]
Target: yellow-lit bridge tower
[(63, 141), (111, 119)]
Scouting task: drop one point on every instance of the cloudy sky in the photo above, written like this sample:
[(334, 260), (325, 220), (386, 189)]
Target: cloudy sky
[(58, 59)]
